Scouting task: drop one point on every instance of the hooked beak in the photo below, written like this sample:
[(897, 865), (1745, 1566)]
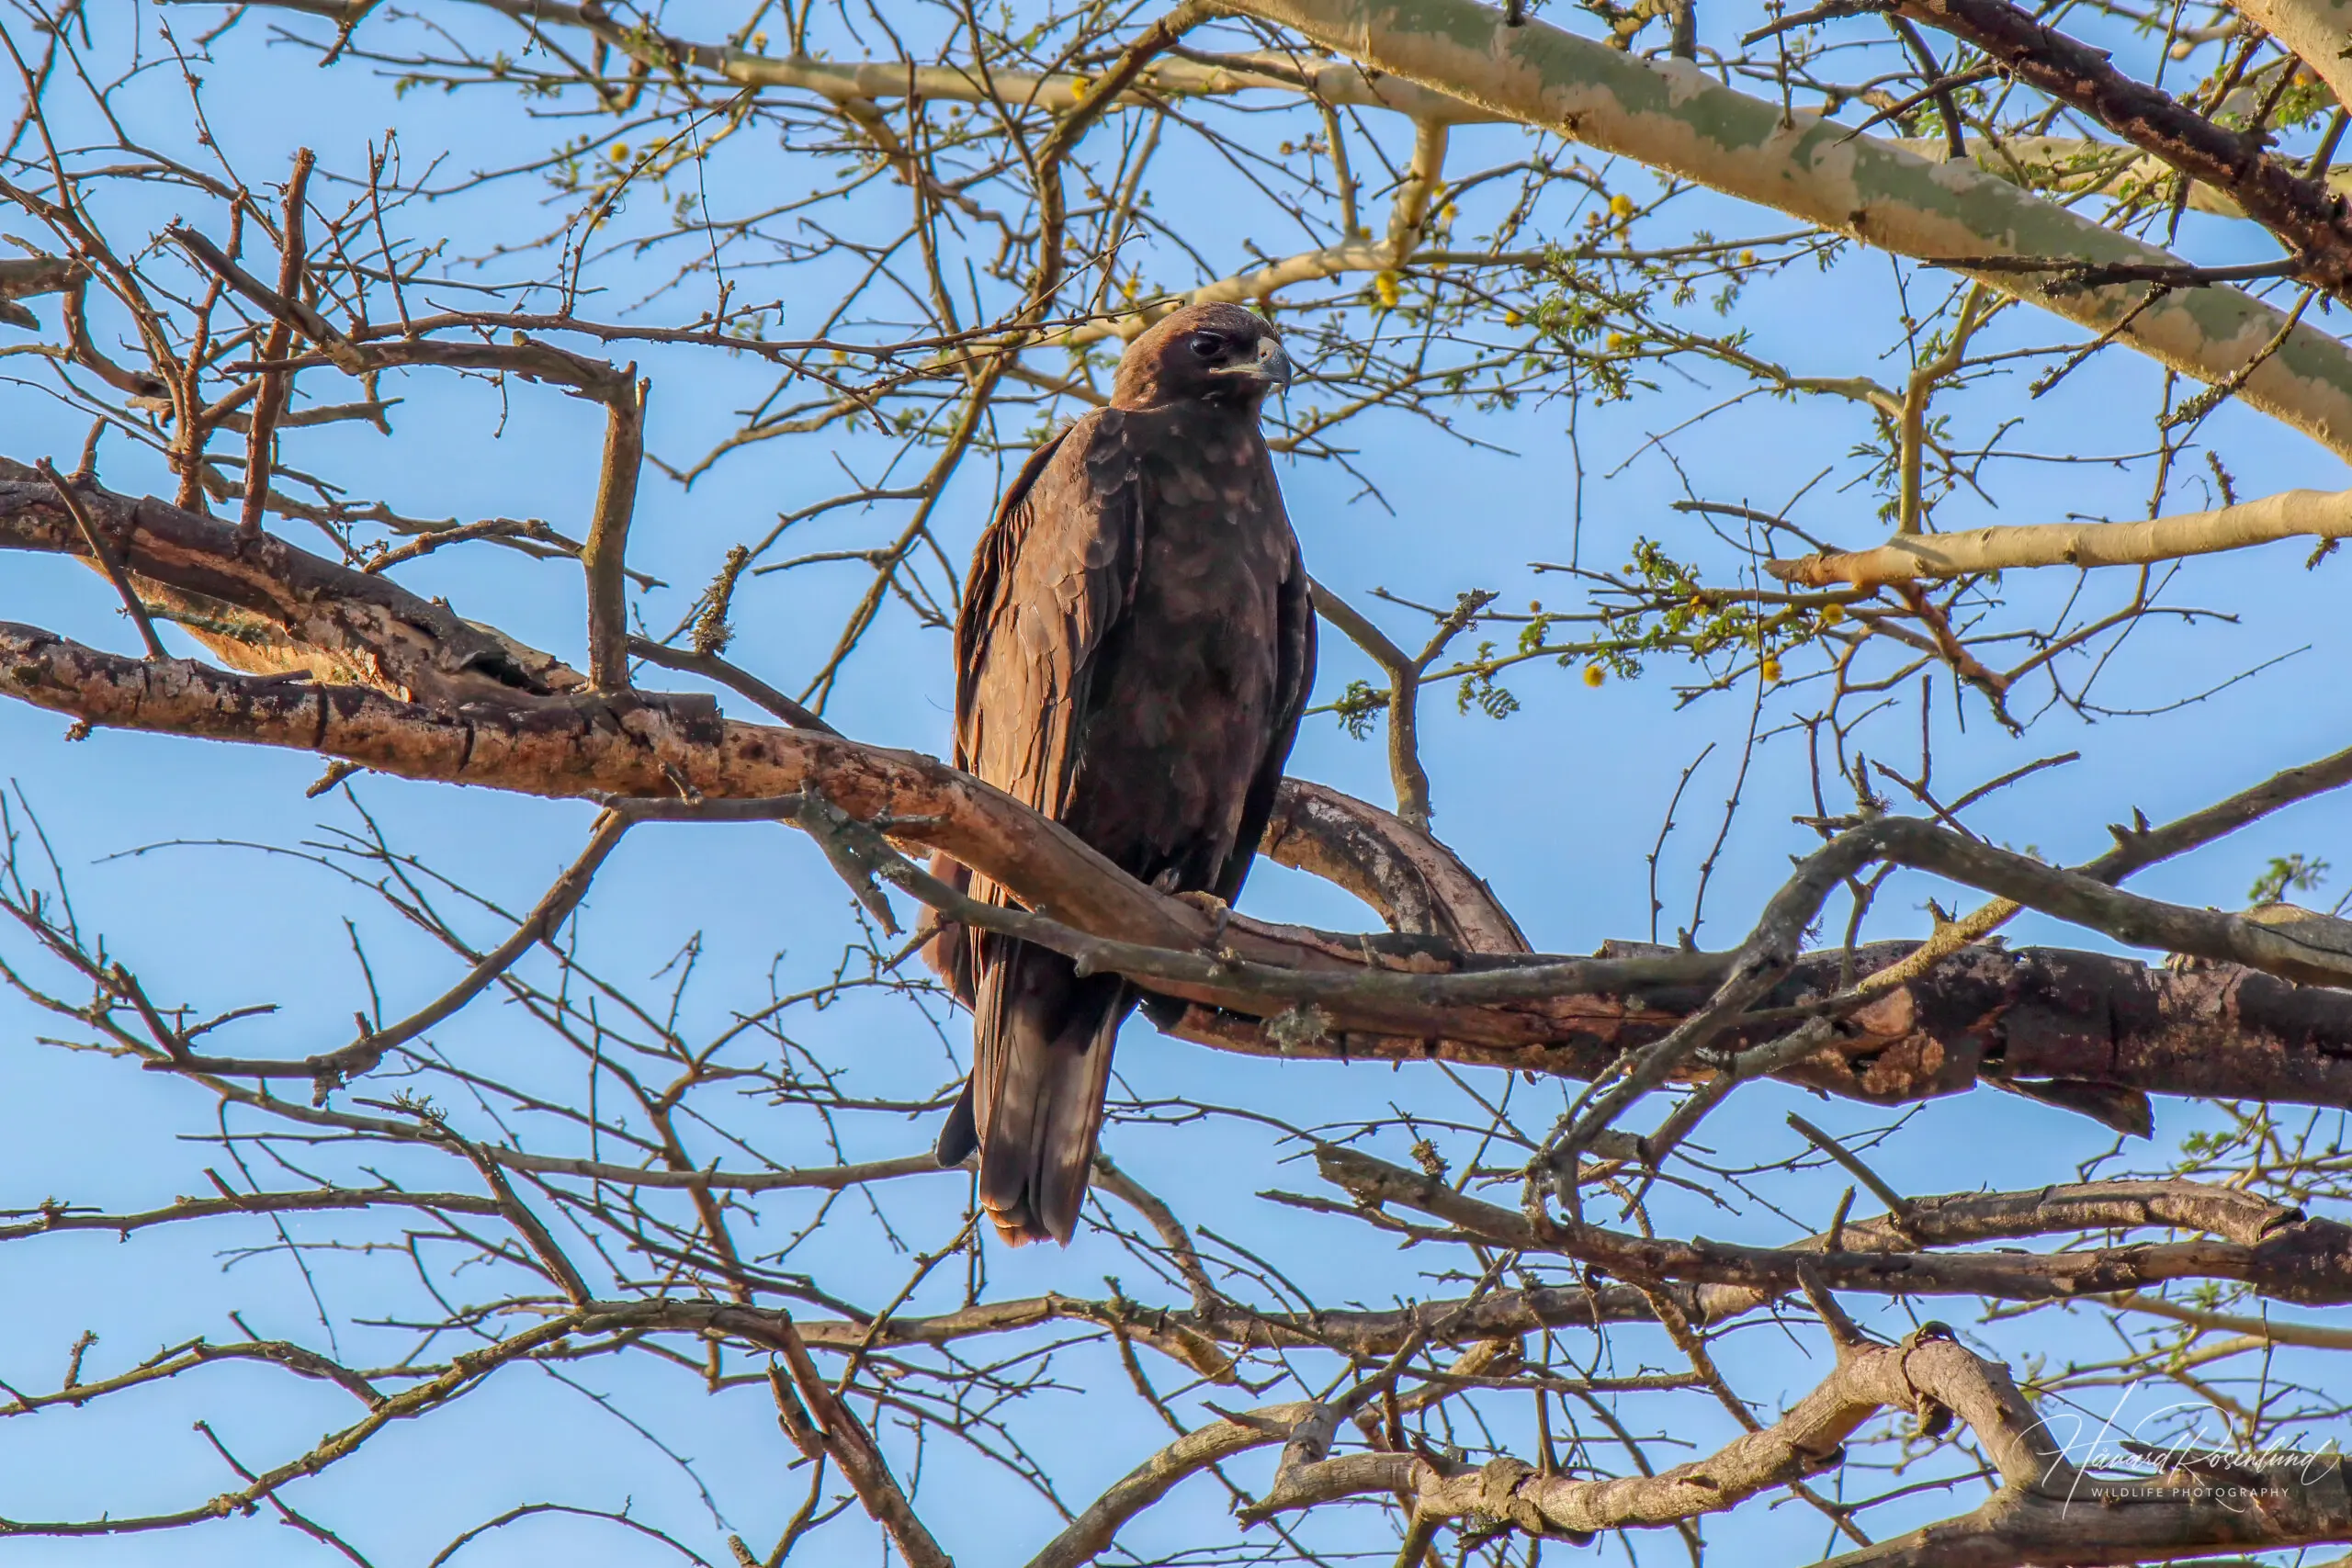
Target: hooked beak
[(1272, 366)]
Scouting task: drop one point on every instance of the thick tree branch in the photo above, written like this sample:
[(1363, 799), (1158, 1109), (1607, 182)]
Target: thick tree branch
[(2046, 1511), (272, 609), (2299, 211), (1567, 1015), (1671, 116), (1415, 883), (505, 716), (2068, 165)]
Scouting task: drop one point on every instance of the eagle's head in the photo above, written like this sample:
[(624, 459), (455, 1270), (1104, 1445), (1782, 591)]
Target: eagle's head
[(1216, 353)]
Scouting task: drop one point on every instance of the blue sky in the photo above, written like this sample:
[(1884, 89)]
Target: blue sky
[(1558, 806)]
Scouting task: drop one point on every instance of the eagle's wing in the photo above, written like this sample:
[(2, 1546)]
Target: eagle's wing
[(1053, 576), (1295, 681), (998, 692)]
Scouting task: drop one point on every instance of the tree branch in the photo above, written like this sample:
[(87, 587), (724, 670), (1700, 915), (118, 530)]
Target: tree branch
[(604, 553), (837, 1432), (2299, 210), (103, 556), (1546, 1017), (1671, 116), (2295, 513), (1090, 1533), (2284, 1254), (2314, 29), (2038, 1515), (269, 401)]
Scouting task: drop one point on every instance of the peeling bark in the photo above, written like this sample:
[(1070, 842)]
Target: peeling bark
[(267, 608), (2029, 1015)]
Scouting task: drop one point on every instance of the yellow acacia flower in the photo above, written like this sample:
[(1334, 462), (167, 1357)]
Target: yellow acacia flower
[(1512, 318), (1832, 614), (1594, 675), (1770, 670), (1385, 285), (1620, 207)]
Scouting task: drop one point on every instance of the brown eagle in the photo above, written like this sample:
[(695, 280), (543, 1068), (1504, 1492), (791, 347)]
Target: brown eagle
[(1135, 647)]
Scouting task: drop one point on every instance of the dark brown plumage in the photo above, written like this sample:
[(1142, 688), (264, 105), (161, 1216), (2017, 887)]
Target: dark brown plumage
[(1135, 647)]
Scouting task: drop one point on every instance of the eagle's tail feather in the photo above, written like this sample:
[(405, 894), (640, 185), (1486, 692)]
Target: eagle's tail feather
[(958, 1136), (1043, 1061)]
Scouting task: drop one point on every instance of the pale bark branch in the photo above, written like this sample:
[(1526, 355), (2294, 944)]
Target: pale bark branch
[(2076, 165), (2269, 1330), (1670, 116), (1090, 1533), (2295, 513), (2047, 1511), (2317, 30), (1056, 92), (1453, 62)]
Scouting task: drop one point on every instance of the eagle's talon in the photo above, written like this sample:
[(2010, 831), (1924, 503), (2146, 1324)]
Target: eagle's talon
[(1219, 912)]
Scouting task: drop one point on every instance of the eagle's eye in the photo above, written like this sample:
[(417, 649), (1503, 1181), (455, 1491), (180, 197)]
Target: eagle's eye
[(1207, 345)]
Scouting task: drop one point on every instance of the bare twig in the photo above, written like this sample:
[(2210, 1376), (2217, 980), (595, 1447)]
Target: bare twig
[(269, 402), (102, 553)]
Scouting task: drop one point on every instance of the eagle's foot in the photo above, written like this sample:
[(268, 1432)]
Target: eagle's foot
[(1219, 913)]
